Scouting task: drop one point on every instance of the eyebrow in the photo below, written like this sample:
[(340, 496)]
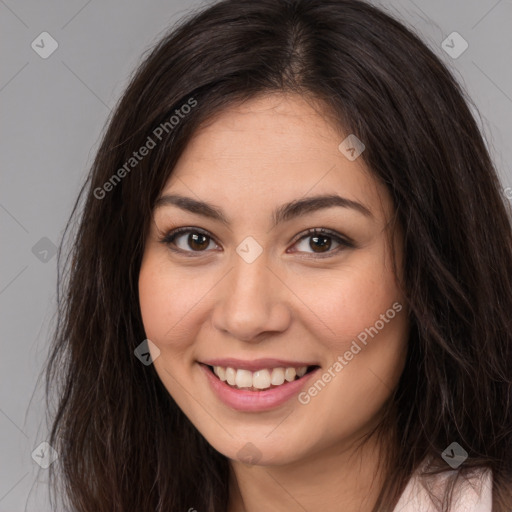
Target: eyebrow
[(283, 213)]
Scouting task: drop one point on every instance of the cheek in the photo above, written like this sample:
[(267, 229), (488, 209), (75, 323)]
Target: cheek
[(352, 298), (164, 302), (173, 303), (155, 299)]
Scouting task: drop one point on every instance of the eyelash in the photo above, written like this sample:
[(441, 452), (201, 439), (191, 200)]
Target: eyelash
[(170, 237)]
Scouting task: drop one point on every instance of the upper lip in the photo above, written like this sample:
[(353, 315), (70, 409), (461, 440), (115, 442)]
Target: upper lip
[(256, 364)]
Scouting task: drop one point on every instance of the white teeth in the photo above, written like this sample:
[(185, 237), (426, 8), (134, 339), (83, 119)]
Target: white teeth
[(277, 376), (301, 371), (261, 379), (220, 372), (289, 374), (243, 378), (230, 376)]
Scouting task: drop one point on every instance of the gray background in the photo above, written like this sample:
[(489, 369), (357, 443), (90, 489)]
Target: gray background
[(53, 112)]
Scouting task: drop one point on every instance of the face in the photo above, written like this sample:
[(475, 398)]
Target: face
[(313, 291)]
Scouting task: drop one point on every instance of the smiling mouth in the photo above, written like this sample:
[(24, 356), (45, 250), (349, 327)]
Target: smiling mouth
[(261, 380)]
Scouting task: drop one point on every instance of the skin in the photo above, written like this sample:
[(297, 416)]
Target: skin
[(292, 302)]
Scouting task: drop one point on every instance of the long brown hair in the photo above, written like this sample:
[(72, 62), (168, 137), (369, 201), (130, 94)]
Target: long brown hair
[(123, 443)]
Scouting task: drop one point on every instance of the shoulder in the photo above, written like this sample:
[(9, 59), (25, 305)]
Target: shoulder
[(470, 494)]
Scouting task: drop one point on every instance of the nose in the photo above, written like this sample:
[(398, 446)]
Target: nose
[(251, 302)]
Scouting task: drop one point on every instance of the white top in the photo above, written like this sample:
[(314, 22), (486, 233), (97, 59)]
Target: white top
[(469, 495)]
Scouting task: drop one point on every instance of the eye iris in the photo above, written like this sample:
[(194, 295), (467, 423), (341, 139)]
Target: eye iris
[(195, 244), (325, 245)]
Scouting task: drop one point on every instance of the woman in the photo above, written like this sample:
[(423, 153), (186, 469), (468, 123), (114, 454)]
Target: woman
[(290, 284)]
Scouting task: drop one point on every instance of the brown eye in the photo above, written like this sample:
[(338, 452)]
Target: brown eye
[(196, 241), (323, 243), (320, 241)]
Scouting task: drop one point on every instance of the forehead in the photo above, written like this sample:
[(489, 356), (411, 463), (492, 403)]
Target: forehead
[(281, 124), (269, 150)]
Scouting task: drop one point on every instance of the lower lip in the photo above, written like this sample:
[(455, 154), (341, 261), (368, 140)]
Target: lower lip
[(255, 401)]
